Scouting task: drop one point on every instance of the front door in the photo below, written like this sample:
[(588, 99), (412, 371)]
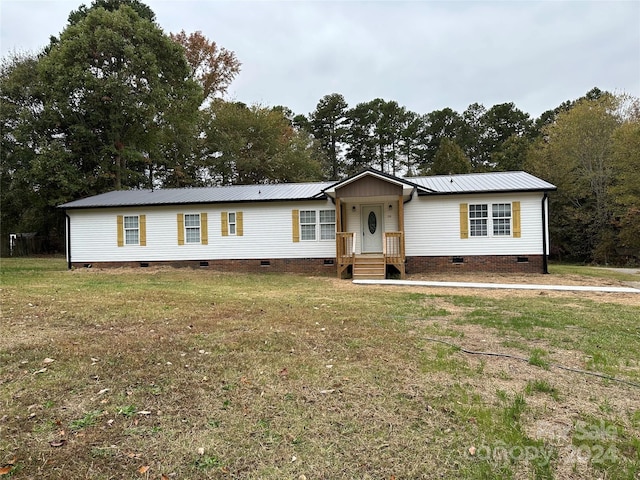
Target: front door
[(372, 229)]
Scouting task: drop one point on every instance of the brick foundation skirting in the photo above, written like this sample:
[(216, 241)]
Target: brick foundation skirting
[(476, 263), (327, 266), (307, 266)]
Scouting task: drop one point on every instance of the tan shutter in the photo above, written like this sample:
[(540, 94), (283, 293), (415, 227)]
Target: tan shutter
[(295, 224), (143, 230), (180, 229), (464, 220), (515, 212), (204, 229), (120, 223), (239, 227), (224, 222)]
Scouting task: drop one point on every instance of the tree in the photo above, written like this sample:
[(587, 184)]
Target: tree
[(28, 191), (439, 124), (213, 67), (252, 145), (411, 142), (117, 87), (327, 123), (498, 124), (625, 187), (449, 159), (575, 153), (511, 155)]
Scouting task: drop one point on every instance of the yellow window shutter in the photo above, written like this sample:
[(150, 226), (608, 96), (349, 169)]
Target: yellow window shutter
[(464, 220), (204, 229), (143, 230), (239, 227), (515, 212), (295, 224), (120, 231), (224, 224), (180, 229)]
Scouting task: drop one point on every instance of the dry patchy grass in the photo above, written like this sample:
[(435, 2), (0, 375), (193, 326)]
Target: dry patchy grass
[(197, 374)]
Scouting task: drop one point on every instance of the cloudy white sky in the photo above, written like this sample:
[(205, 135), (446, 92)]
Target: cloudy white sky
[(426, 55)]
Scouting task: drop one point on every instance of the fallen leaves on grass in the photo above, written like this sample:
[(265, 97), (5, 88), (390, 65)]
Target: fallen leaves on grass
[(57, 443), (142, 470)]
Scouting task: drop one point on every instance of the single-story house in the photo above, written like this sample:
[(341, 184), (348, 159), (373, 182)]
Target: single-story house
[(369, 225)]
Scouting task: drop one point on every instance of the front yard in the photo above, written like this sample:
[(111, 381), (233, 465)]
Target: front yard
[(181, 373)]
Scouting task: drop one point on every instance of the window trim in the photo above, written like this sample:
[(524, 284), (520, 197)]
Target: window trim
[(187, 228), (126, 229), (488, 230), (232, 227), (317, 226)]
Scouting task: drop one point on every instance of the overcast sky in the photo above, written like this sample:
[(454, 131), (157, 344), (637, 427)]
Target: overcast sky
[(426, 55)]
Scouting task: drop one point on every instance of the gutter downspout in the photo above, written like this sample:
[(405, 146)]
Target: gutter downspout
[(545, 202), (68, 240)]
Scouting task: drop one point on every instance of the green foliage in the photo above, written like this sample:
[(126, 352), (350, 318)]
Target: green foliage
[(252, 145), (327, 123), (450, 159), (591, 152)]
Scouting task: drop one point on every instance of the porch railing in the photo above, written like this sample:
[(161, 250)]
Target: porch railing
[(393, 250), (345, 250)]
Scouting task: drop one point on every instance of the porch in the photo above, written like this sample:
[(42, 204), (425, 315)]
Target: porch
[(370, 265)]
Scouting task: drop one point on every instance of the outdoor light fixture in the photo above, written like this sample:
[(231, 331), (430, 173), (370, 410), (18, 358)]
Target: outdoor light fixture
[(353, 208), (390, 206)]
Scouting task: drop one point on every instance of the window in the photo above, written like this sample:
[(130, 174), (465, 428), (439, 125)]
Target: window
[(232, 223), (192, 227), (327, 224), (316, 225), (478, 220), (131, 230), (307, 224), (501, 219)]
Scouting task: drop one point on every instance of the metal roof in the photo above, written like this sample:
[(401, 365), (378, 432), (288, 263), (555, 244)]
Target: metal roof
[(181, 196), (483, 183), (440, 184)]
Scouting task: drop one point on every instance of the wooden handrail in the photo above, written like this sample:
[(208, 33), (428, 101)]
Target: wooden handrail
[(345, 250), (393, 247)]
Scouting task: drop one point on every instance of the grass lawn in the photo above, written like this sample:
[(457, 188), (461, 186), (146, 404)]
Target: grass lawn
[(188, 373)]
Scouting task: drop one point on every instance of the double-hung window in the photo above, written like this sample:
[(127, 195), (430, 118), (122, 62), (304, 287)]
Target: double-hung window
[(317, 224), (500, 220), (327, 224), (501, 213), (307, 225), (232, 223), (192, 227), (131, 230), (478, 220)]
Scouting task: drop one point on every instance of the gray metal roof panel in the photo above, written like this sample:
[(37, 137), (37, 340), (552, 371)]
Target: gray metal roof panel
[(182, 196), (438, 184), (483, 182)]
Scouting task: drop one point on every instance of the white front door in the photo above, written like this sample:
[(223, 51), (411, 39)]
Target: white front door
[(372, 228)]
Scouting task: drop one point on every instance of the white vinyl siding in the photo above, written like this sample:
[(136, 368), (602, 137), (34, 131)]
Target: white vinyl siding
[(432, 226), (266, 234)]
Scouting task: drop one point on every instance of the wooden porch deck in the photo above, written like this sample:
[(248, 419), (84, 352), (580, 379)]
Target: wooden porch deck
[(370, 266)]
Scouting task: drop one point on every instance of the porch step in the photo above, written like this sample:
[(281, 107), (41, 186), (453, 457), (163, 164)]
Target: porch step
[(369, 267)]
